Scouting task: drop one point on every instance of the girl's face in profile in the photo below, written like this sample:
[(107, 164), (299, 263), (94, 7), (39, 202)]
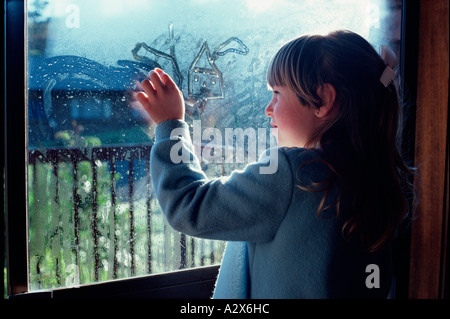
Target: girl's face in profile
[(292, 121)]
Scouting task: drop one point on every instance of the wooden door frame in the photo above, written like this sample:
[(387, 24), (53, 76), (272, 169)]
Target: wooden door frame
[(429, 267)]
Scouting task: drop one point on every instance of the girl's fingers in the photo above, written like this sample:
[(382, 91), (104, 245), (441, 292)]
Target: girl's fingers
[(156, 81), (143, 99), (163, 75), (149, 89), (161, 98), (165, 78)]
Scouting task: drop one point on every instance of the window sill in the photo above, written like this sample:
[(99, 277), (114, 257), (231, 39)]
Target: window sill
[(197, 283)]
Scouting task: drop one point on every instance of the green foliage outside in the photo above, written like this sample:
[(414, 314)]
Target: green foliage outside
[(58, 260)]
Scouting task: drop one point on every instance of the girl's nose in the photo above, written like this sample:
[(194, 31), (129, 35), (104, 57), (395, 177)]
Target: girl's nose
[(269, 110)]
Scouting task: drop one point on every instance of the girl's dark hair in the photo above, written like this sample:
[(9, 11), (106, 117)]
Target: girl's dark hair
[(361, 141)]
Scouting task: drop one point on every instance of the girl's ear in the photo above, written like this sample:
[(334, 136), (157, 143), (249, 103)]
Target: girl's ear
[(327, 94)]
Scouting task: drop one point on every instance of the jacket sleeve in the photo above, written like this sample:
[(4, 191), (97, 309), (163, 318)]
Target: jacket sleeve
[(245, 206)]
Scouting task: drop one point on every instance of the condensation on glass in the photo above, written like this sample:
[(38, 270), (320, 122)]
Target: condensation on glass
[(93, 215)]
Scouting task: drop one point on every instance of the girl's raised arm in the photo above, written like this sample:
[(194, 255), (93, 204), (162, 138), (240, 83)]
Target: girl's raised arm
[(246, 206)]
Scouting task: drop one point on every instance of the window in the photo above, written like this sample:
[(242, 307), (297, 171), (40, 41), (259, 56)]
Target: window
[(92, 213)]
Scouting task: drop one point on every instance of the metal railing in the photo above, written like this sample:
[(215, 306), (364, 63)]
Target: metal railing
[(73, 189)]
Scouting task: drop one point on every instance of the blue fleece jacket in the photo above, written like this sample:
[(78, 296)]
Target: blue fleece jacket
[(278, 245)]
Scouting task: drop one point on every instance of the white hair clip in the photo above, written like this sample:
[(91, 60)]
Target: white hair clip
[(387, 76)]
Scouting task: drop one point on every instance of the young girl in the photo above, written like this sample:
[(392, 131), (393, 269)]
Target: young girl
[(321, 225)]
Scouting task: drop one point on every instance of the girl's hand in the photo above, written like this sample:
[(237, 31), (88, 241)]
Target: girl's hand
[(162, 99)]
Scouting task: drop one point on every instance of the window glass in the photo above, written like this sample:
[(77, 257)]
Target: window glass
[(93, 215)]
